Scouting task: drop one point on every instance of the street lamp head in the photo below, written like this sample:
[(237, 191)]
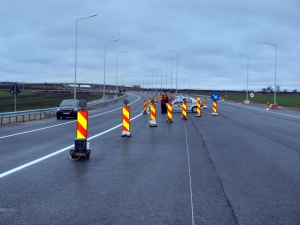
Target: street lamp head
[(94, 15), (117, 39), (177, 52), (122, 52)]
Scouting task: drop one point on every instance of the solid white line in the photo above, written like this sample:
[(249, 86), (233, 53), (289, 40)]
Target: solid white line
[(263, 110), (44, 128), (59, 151), (189, 165)]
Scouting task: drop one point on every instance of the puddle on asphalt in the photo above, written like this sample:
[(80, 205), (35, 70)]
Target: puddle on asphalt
[(6, 210)]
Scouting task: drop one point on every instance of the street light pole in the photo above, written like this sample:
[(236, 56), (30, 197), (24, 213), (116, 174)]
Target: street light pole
[(156, 78), (166, 74), (171, 70), (275, 68), (177, 66), (247, 70), (76, 51), (152, 87), (104, 65), (160, 77), (117, 72)]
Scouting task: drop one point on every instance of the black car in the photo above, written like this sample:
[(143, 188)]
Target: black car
[(67, 108)]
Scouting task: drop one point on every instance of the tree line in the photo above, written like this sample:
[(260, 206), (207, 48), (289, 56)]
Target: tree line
[(278, 89)]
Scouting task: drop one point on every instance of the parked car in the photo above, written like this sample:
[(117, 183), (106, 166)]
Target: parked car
[(179, 97), (191, 104), (67, 108)]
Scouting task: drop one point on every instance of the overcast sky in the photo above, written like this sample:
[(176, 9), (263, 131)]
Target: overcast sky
[(37, 42)]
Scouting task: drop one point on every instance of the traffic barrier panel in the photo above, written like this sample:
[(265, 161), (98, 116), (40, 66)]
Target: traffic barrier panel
[(170, 113), (198, 112), (126, 121), (204, 103), (81, 145), (145, 107), (82, 124), (268, 105), (152, 115), (184, 112), (274, 106), (214, 110)]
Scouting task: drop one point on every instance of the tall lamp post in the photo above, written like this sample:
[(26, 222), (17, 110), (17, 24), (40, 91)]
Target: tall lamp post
[(166, 65), (171, 69), (156, 78), (247, 70), (177, 66), (76, 51), (117, 72), (275, 68), (104, 65), (152, 87), (160, 78)]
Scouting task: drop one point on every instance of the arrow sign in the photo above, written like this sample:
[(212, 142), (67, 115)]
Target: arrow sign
[(215, 96)]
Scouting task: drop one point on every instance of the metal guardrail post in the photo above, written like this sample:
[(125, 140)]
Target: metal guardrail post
[(49, 111)]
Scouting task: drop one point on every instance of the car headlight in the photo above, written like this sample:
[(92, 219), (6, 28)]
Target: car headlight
[(58, 110), (75, 110)]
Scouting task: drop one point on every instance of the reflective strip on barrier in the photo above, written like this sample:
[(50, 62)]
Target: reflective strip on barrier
[(152, 111), (126, 118), (82, 124), (183, 109)]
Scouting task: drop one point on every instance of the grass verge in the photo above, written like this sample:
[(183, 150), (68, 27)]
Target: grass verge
[(40, 100)]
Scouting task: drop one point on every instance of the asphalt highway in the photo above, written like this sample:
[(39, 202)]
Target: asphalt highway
[(240, 167)]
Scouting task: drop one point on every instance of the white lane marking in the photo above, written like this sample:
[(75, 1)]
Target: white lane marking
[(189, 165), (59, 151), (44, 128), (263, 110)]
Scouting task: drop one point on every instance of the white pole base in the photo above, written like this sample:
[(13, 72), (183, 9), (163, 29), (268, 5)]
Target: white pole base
[(214, 114), (126, 134), (152, 123)]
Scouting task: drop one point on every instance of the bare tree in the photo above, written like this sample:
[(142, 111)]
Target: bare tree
[(264, 90), (270, 88), (294, 91), (277, 88), (285, 90)]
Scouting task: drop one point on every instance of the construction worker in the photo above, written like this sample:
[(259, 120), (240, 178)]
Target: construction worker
[(166, 98), (163, 104)]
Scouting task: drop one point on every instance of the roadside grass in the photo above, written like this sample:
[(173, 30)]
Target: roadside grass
[(286, 100), (40, 100)]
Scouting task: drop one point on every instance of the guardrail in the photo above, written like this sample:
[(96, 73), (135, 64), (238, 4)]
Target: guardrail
[(28, 115)]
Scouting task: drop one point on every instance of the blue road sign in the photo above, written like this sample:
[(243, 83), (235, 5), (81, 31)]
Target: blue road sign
[(215, 96)]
